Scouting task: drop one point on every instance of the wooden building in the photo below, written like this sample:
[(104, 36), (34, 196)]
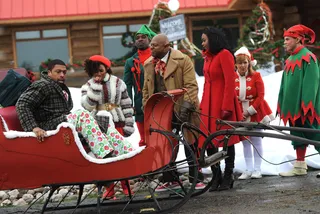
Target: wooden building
[(31, 31)]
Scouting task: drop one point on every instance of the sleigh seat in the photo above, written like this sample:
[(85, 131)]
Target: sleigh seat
[(13, 130)]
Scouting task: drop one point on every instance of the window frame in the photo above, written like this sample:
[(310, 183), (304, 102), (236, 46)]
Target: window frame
[(115, 23), (40, 28)]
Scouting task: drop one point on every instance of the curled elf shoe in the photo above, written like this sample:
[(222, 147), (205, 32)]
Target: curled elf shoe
[(299, 168)]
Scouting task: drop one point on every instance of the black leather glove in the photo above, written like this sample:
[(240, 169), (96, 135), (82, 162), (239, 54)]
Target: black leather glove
[(225, 114), (185, 111)]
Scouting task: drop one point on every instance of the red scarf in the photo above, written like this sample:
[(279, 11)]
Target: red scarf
[(144, 54)]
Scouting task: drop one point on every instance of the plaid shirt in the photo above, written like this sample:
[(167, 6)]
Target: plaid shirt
[(44, 105)]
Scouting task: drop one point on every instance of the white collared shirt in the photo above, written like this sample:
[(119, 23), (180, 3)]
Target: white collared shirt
[(165, 58)]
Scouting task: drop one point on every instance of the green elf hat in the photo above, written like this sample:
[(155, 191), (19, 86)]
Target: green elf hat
[(146, 31)]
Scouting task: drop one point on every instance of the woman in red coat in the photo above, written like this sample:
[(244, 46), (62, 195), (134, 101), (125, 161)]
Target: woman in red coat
[(250, 92), (219, 100)]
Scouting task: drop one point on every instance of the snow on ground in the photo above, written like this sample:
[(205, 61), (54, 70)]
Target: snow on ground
[(275, 150)]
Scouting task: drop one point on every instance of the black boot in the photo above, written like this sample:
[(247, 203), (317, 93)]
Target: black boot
[(228, 179), (216, 176)]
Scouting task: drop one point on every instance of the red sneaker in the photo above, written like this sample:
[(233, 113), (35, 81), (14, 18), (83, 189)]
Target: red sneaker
[(200, 186), (167, 186)]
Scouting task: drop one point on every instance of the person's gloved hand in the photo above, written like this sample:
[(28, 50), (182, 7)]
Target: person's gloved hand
[(225, 114), (185, 111)]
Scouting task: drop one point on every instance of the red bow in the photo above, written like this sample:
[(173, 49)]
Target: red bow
[(160, 66)]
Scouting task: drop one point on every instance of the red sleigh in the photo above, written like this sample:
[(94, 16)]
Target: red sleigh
[(60, 160)]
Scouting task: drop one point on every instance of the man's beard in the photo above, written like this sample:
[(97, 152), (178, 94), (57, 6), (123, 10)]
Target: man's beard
[(62, 85)]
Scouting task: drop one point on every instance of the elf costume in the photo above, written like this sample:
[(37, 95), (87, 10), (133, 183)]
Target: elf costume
[(299, 96), (134, 78)]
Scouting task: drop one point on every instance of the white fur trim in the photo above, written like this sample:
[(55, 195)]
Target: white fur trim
[(114, 115), (107, 114), (113, 88), (85, 104), (96, 97), (251, 110), (243, 50), (128, 129), (253, 62), (267, 119), (127, 111), (85, 88), (95, 86), (126, 101), (6, 128), (123, 86), (16, 134), (106, 78), (120, 113), (129, 120)]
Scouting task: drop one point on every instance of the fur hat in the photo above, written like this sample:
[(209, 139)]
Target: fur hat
[(244, 51)]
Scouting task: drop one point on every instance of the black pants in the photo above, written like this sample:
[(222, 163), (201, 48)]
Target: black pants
[(231, 156), (173, 175)]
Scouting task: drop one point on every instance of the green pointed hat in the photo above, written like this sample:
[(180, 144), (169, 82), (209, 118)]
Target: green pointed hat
[(146, 31)]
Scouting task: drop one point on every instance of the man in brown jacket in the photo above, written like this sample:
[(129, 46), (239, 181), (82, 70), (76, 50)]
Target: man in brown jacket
[(170, 69)]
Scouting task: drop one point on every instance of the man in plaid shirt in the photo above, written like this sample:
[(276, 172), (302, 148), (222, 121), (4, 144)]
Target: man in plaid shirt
[(47, 103)]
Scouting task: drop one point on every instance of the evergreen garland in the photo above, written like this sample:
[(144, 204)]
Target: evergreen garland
[(270, 50)]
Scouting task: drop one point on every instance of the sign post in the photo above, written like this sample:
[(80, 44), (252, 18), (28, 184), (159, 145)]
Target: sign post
[(174, 27)]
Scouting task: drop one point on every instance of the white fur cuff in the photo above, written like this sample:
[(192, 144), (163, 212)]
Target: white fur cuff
[(251, 110)]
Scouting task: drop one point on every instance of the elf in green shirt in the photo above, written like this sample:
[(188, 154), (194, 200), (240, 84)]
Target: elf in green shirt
[(134, 75), (299, 96)]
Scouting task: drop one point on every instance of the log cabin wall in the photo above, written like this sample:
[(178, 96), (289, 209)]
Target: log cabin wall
[(6, 48), (85, 40)]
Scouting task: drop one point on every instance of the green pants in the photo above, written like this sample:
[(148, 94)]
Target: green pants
[(307, 135)]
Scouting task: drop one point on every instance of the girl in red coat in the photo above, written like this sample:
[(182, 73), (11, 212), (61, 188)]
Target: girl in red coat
[(250, 91), (219, 100)]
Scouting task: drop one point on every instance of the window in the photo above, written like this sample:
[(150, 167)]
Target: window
[(112, 40), (34, 47)]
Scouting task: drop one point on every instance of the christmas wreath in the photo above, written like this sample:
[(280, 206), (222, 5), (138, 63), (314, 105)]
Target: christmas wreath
[(127, 39)]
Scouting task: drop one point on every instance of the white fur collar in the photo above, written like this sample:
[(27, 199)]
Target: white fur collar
[(107, 77)]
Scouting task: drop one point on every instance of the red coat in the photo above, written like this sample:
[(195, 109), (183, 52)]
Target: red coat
[(219, 93), (250, 93)]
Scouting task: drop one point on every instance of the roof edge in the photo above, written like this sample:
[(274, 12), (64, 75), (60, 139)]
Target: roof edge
[(83, 17)]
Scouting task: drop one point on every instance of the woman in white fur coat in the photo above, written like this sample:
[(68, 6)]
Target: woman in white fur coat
[(106, 92), (106, 96)]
